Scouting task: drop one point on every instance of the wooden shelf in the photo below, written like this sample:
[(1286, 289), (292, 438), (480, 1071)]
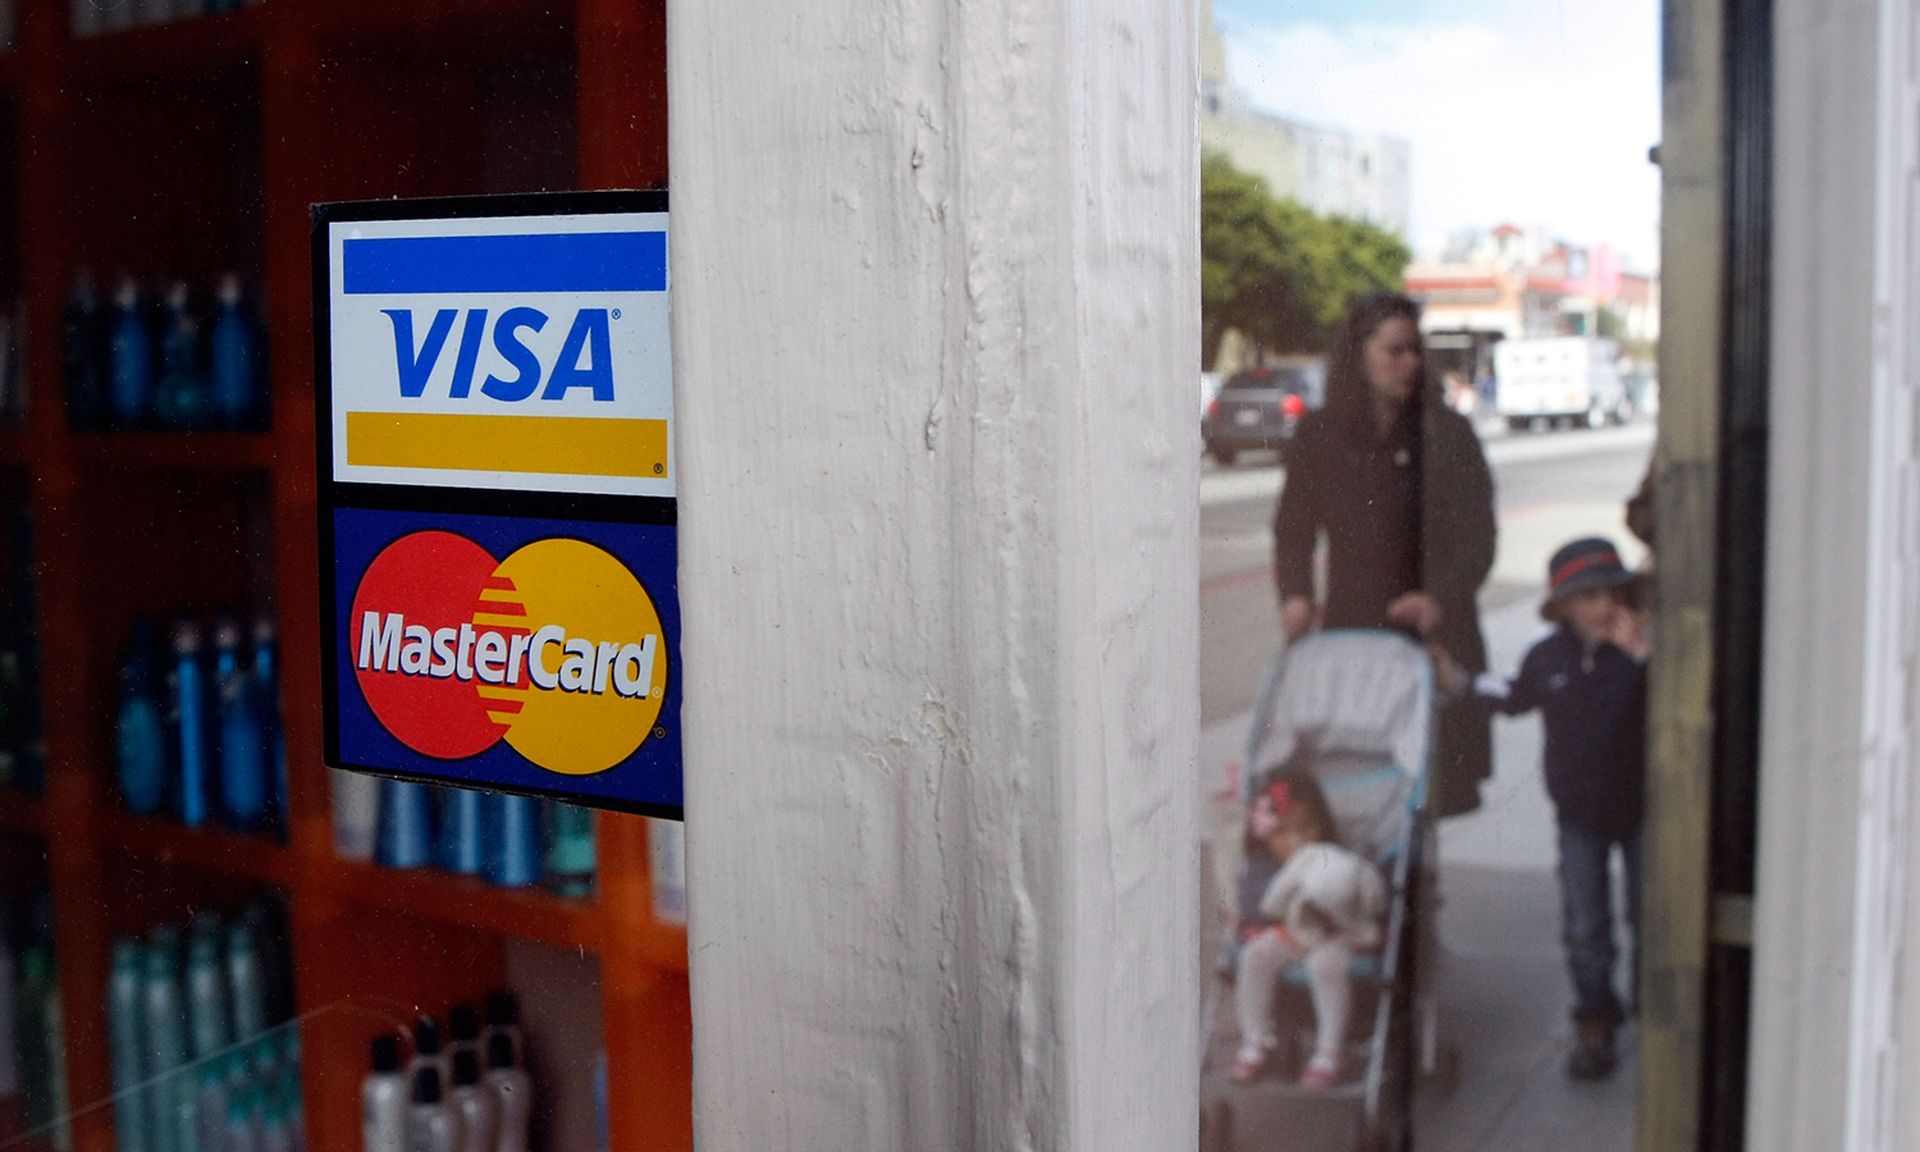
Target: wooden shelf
[(524, 913), (183, 451), (465, 19), (20, 812), (177, 48), (206, 849), (665, 947)]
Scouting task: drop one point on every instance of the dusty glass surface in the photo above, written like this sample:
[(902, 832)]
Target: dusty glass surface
[(1431, 292), (1423, 600)]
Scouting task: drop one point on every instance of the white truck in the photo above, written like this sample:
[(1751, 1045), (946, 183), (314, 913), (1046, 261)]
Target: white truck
[(1559, 381)]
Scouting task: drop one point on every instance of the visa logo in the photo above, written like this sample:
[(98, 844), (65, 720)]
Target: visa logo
[(585, 359)]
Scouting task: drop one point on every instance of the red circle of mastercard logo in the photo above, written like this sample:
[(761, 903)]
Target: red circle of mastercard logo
[(556, 649)]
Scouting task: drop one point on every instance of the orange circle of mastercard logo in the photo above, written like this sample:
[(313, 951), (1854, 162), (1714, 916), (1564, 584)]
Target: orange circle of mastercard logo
[(556, 649)]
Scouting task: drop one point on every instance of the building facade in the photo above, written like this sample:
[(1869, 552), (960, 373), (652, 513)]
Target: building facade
[(1335, 172), (1511, 284)]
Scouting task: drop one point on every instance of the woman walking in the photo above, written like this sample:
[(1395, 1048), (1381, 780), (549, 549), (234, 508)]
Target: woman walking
[(1396, 482)]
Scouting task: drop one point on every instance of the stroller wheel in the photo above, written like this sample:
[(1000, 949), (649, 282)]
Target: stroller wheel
[(1375, 1138), (1369, 1139), (1216, 1126)]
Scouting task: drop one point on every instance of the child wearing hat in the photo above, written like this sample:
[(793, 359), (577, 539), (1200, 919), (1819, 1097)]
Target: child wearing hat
[(1587, 677)]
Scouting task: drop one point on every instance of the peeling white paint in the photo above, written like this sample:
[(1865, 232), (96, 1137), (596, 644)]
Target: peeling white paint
[(936, 319)]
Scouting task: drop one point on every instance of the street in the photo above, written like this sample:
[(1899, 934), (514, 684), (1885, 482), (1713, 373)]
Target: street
[(1537, 481), (1502, 987)]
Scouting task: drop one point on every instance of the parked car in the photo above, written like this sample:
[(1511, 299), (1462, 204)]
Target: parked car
[(1257, 410), (1209, 388)]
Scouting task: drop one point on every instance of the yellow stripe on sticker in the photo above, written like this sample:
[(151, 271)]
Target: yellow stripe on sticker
[(549, 445)]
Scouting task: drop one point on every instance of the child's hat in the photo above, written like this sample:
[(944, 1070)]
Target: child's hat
[(1592, 562)]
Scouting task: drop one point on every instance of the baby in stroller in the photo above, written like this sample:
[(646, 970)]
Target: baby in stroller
[(1304, 899)]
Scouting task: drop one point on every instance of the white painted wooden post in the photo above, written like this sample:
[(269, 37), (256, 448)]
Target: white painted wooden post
[(1885, 1053), (1832, 811), (936, 324)]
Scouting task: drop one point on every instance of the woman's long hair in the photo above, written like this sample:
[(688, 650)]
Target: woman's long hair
[(1349, 395)]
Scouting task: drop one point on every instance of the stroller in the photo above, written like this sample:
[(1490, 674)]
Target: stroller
[(1361, 704)]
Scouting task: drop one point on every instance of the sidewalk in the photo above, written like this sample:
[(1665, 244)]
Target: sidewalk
[(1502, 985)]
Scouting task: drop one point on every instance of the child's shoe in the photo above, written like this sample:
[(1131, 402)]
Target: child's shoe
[(1250, 1063), (1323, 1072), (1592, 1057)]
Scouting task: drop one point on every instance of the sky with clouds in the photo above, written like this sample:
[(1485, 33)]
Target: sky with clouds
[(1535, 111)]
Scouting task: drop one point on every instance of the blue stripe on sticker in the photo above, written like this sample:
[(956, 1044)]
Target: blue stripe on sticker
[(541, 262)]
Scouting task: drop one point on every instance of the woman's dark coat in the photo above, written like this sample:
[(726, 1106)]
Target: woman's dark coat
[(1411, 512)]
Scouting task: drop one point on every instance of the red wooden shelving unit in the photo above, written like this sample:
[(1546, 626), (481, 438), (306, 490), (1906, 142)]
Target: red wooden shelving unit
[(193, 148), (95, 452), (22, 814)]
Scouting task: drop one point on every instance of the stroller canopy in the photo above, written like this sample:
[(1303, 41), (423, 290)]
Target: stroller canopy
[(1360, 704)]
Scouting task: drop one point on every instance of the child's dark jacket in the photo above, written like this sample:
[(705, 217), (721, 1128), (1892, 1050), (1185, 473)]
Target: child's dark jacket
[(1594, 703)]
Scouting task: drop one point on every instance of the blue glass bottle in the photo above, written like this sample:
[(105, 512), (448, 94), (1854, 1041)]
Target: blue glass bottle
[(182, 396), (290, 1089), (129, 359), (243, 1119), (459, 847), (82, 340), (403, 836), (244, 787), (571, 849), (165, 1034), (210, 1011), (141, 737), (234, 349), (125, 1016), (247, 980), (192, 758), (15, 688), (513, 840), (266, 692), (29, 751), (211, 1102)]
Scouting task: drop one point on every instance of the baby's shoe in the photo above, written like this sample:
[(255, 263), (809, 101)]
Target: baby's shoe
[(1323, 1072), (1251, 1061)]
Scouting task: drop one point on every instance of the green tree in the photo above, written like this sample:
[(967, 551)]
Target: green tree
[(1611, 324), (1277, 272), (1365, 258)]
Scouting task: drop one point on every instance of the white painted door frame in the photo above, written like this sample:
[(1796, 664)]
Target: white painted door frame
[(1885, 1021), (1835, 1020), (936, 323)]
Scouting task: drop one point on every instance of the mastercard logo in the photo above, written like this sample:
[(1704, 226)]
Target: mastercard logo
[(556, 649)]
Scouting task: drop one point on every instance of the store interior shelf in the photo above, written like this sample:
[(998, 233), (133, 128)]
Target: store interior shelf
[(665, 946), (468, 18), (525, 913), (178, 47), (188, 451), (179, 153), (207, 849), (20, 812)]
